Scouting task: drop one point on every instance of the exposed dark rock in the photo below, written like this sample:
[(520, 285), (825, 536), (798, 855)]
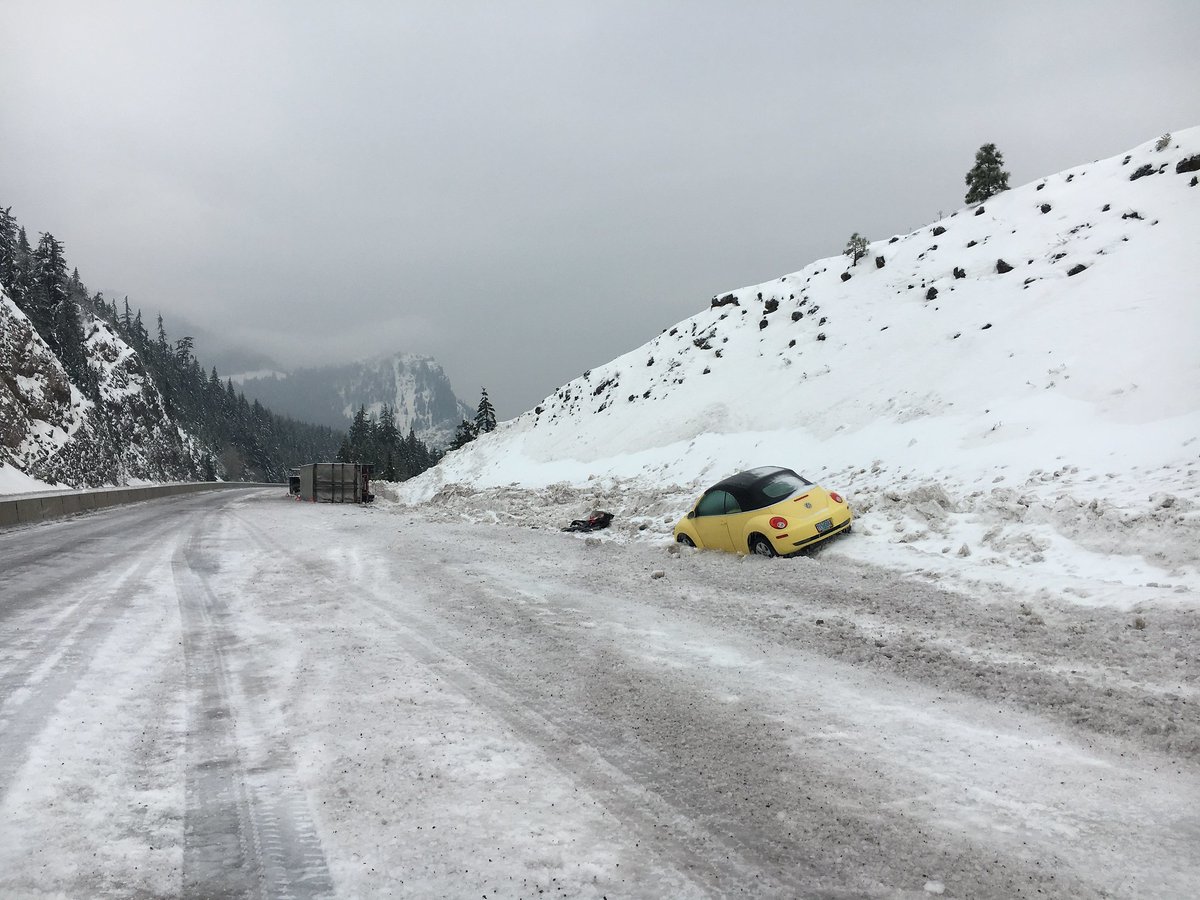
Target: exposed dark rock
[(893, 240), (1045, 208), (792, 342), (938, 230), (1133, 214), (1002, 267), (1040, 186), (824, 319), (1057, 256), (1070, 178), (972, 243), (1142, 172), (957, 336), (724, 301), (539, 410), (771, 305), (1076, 269), (1106, 207), (706, 370), (846, 276), (931, 249), (931, 293), (960, 273), (1191, 164), (797, 316), (986, 327), (760, 295), (1030, 280), (880, 262), (650, 361), (979, 212), (763, 324), (1192, 183), (1126, 160), (821, 336)]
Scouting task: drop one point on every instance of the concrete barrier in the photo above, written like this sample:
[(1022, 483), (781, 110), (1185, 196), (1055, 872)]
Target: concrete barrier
[(25, 510)]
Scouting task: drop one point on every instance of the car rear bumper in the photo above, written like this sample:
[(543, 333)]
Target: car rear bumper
[(836, 529)]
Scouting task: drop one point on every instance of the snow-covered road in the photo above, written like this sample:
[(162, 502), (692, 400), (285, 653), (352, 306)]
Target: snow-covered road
[(239, 695)]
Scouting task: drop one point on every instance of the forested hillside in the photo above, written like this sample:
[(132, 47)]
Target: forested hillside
[(88, 396)]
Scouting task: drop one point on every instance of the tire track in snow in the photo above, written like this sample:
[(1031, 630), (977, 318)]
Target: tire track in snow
[(46, 660), (247, 829), (713, 858)]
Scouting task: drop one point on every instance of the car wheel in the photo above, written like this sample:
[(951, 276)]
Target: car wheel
[(685, 540), (760, 546)]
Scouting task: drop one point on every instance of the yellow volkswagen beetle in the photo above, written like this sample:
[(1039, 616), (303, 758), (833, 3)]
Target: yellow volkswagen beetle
[(768, 511)]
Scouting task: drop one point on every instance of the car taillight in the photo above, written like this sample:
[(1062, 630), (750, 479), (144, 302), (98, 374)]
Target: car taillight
[(836, 497), (778, 523)]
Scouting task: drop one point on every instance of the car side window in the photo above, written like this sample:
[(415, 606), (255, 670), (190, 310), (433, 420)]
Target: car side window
[(712, 504), (731, 505)]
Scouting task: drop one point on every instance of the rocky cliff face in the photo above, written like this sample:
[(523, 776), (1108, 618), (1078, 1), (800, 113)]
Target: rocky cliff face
[(111, 431)]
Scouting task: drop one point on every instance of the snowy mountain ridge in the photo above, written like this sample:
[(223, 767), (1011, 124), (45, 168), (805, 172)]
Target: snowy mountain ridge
[(415, 386), (1014, 381)]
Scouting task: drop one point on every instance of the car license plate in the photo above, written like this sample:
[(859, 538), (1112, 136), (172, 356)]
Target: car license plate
[(824, 525)]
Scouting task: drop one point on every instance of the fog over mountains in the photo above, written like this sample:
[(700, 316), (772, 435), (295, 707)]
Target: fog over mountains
[(414, 386)]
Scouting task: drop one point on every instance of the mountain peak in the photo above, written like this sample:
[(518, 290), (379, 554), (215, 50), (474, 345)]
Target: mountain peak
[(414, 385)]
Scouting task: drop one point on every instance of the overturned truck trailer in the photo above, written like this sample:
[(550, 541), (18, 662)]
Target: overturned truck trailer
[(334, 482)]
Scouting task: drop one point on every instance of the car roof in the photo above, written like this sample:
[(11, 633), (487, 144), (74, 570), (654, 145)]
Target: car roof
[(742, 484)]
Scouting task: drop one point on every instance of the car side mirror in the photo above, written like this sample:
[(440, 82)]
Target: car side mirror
[(692, 514)]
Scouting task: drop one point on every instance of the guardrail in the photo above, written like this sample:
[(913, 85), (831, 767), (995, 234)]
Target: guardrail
[(40, 507)]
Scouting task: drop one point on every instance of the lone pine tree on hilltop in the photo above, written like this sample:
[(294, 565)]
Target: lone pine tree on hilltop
[(987, 177), (856, 248), (485, 415)]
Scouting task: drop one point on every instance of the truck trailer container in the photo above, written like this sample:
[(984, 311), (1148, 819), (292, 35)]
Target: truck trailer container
[(334, 482)]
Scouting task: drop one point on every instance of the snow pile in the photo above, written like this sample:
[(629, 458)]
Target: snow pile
[(1010, 395)]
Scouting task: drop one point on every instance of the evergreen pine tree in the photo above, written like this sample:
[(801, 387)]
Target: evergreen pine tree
[(485, 415), (856, 248), (463, 434), (987, 177), (8, 251), (22, 286), (359, 436)]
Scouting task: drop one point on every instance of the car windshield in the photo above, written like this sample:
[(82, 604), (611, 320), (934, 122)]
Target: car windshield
[(779, 486)]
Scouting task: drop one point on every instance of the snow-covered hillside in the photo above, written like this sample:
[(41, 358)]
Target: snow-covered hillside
[(1011, 394), (52, 433)]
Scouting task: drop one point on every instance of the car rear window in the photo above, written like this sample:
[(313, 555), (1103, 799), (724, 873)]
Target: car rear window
[(784, 484)]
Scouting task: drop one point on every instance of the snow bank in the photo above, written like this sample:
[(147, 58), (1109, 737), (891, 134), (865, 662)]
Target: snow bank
[(1009, 396)]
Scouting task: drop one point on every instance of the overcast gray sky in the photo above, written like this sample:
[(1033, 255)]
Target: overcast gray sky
[(525, 190)]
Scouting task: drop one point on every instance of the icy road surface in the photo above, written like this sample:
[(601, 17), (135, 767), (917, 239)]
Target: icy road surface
[(240, 695)]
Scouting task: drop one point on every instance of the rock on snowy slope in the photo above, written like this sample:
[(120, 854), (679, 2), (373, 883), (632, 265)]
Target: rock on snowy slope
[(1046, 404)]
